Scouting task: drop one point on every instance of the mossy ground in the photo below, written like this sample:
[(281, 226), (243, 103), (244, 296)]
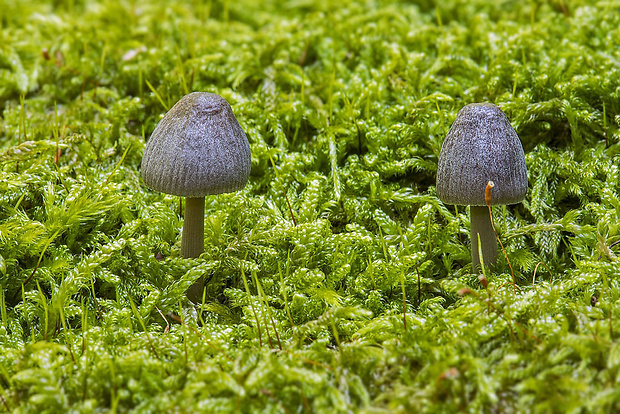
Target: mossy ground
[(336, 281)]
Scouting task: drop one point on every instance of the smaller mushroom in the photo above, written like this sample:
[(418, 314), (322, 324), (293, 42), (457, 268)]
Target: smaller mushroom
[(481, 147), (197, 149)]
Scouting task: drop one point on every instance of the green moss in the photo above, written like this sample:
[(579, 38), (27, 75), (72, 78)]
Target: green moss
[(309, 268)]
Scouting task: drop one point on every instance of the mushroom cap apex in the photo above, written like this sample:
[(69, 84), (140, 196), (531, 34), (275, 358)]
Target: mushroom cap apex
[(481, 146)]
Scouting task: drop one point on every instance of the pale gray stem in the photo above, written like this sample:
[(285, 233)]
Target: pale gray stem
[(481, 226), (193, 238)]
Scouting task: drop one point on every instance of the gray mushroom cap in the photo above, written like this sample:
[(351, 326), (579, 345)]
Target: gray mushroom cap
[(481, 146), (197, 149)]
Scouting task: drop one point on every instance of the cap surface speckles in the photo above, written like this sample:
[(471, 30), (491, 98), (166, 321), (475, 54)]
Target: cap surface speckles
[(197, 149), (481, 146)]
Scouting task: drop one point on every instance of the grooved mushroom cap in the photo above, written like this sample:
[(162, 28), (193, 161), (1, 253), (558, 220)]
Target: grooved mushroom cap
[(481, 146), (197, 149)]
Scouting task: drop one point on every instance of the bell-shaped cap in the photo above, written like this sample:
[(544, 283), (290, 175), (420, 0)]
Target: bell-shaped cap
[(481, 146), (197, 149)]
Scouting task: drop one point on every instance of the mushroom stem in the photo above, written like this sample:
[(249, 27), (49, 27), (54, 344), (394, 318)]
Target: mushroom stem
[(481, 226), (192, 240)]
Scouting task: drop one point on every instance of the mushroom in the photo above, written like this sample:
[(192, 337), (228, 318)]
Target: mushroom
[(197, 149), (481, 149)]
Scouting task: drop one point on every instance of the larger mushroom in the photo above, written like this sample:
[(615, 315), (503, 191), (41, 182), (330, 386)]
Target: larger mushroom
[(197, 149), (481, 147)]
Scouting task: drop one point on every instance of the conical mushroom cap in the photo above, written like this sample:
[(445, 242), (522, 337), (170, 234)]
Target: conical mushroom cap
[(197, 149), (481, 146)]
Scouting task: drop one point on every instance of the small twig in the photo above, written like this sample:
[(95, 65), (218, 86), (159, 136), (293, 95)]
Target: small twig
[(167, 328), (5, 403), (535, 269)]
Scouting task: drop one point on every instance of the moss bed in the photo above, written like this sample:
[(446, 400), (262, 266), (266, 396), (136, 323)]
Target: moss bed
[(336, 281)]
